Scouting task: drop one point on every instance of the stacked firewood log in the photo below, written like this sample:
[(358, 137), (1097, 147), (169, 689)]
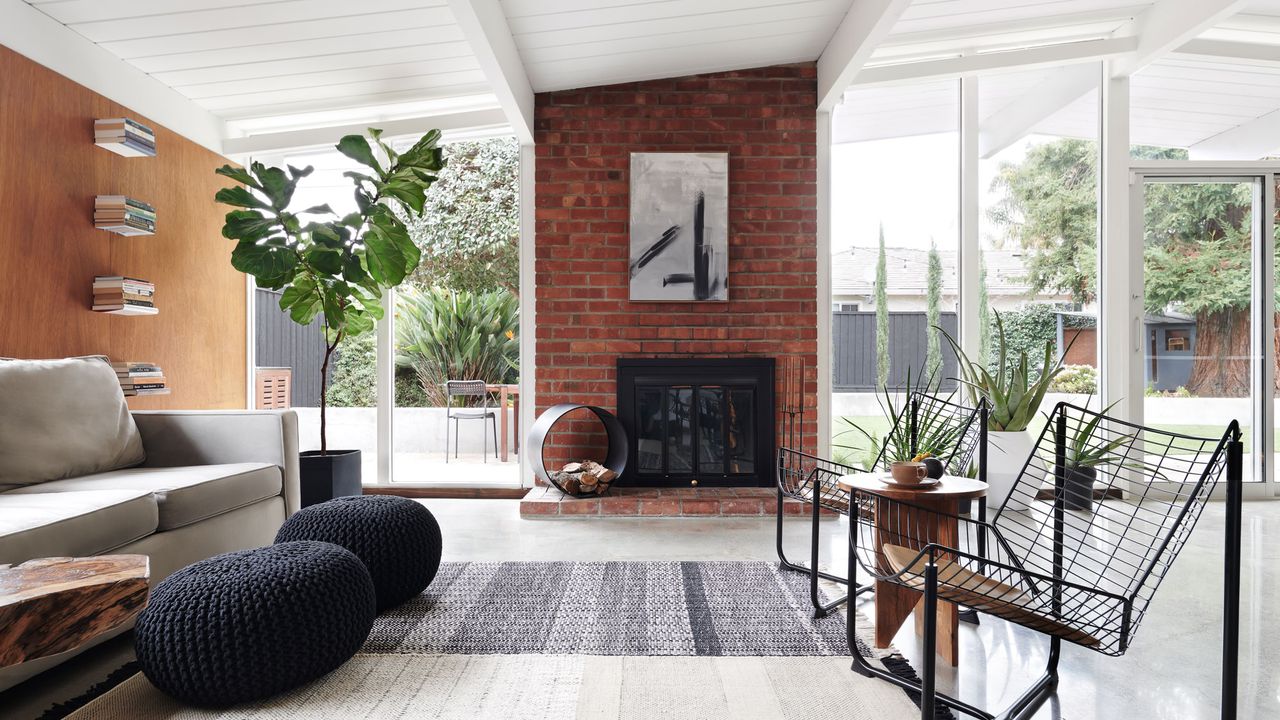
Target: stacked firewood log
[(583, 478)]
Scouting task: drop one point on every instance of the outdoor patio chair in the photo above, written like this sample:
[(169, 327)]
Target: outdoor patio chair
[(812, 479), (1086, 577), (464, 389)]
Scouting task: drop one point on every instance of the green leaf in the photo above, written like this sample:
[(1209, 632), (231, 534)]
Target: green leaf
[(271, 265), (325, 260), (357, 148), (275, 185), (240, 175), (302, 300), (319, 210), (239, 196), (384, 256), (248, 225), (297, 174)]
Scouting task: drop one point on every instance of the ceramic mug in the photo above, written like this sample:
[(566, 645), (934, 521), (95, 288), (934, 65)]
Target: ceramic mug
[(909, 473)]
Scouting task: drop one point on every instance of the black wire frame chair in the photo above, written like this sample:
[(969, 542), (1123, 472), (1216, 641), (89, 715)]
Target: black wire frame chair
[(1083, 577), (813, 480)]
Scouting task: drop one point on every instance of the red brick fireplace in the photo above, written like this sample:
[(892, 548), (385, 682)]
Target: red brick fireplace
[(765, 119)]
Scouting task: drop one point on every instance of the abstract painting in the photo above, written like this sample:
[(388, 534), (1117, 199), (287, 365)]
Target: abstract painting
[(680, 226)]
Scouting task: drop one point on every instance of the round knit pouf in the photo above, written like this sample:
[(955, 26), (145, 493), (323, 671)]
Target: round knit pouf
[(398, 540), (247, 625)]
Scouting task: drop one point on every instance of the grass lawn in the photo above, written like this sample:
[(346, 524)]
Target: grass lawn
[(851, 446)]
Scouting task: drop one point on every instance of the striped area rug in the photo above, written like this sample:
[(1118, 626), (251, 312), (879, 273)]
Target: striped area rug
[(595, 640)]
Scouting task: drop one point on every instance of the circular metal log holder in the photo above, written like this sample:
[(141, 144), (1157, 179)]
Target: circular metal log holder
[(615, 458)]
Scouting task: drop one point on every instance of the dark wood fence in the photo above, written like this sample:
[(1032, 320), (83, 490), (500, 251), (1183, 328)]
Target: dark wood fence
[(853, 340), (283, 343)]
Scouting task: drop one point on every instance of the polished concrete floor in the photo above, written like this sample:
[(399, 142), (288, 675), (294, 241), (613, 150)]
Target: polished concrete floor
[(1171, 672)]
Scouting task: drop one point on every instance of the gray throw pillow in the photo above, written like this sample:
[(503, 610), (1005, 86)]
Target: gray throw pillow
[(63, 418)]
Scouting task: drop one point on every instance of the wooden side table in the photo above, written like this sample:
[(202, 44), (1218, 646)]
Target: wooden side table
[(902, 525), (53, 605)]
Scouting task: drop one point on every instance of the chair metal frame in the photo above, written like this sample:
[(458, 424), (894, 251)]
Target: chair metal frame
[(818, 486), (469, 388), (1051, 600)]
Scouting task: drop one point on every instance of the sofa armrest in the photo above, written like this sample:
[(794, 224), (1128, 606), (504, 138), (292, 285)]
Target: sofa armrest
[(194, 437)]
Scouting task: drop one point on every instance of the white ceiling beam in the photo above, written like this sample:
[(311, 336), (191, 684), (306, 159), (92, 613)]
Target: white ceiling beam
[(1156, 32), (1231, 50), (1009, 124), (1010, 60), (271, 142), (1169, 24), (485, 26), (29, 32), (867, 23), (1251, 141)]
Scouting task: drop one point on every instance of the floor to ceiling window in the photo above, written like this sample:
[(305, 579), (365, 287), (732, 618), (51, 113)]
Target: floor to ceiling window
[(1038, 231), (455, 318), (894, 256)]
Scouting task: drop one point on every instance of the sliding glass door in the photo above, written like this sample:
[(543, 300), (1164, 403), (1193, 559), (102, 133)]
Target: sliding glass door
[(1204, 347)]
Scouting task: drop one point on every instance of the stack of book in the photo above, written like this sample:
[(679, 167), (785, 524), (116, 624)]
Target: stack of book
[(123, 216), (123, 295), (140, 378), (126, 137)]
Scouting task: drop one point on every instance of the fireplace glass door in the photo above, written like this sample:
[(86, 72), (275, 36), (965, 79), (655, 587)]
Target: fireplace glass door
[(702, 431)]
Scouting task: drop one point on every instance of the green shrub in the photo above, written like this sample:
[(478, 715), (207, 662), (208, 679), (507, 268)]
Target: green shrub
[(1077, 379), (353, 379), (443, 335), (1027, 329)]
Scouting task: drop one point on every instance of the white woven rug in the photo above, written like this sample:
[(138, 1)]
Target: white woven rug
[(549, 687)]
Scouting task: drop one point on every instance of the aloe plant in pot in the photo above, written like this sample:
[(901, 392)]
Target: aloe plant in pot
[(337, 267), (1014, 395)]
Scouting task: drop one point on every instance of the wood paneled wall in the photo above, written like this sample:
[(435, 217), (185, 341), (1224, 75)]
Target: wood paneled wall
[(50, 172)]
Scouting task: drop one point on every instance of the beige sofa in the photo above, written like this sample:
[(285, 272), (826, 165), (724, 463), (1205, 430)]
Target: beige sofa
[(212, 482)]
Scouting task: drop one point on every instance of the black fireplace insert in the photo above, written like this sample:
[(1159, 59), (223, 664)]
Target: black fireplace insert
[(698, 421)]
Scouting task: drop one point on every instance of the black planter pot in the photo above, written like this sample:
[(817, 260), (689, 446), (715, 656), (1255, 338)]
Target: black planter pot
[(325, 477), (1077, 488)]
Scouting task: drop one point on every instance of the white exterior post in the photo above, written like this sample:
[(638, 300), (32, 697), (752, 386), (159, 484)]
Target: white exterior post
[(528, 307), (1119, 256), (385, 357), (823, 409), (969, 267)]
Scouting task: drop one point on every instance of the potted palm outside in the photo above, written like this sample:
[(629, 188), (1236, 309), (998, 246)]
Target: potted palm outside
[(337, 268)]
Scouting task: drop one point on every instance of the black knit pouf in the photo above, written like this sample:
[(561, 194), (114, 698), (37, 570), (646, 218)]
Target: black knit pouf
[(398, 540), (247, 625)]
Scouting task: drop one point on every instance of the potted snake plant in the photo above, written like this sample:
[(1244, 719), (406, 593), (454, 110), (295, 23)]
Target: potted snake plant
[(1014, 394)]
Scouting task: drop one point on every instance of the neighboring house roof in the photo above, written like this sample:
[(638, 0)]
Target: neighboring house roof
[(853, 272)]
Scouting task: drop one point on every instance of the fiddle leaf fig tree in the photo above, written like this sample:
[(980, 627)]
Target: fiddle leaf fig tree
[(337, 267)]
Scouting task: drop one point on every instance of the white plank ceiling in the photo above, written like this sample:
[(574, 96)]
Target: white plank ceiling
[(578, 43), (255, 61)]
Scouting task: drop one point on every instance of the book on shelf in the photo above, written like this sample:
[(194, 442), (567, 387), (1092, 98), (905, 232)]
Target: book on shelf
[(125, 137), (141, 378), (127, 310), (123, 215), (117, 304), (135, 366), (121, 281)]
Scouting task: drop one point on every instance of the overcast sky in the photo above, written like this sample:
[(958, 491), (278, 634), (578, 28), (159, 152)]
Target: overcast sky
[(911, 185)]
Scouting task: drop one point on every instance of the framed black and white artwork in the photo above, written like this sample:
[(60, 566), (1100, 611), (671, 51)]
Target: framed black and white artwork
[(680, 227)]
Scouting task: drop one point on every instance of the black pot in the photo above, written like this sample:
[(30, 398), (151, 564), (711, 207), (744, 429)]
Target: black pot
[(325, 477), (1077, 488), (934, 467)]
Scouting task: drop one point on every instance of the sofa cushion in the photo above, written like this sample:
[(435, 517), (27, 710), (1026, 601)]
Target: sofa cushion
[(63, 418), (73, 524), (185, 495)]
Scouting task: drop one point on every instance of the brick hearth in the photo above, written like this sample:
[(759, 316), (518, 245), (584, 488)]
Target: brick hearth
[(546, 502)]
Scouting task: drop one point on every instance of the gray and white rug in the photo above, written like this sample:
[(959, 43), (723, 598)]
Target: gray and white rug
[(599, 641)]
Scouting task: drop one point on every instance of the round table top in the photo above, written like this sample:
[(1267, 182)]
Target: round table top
[(951, 487)]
